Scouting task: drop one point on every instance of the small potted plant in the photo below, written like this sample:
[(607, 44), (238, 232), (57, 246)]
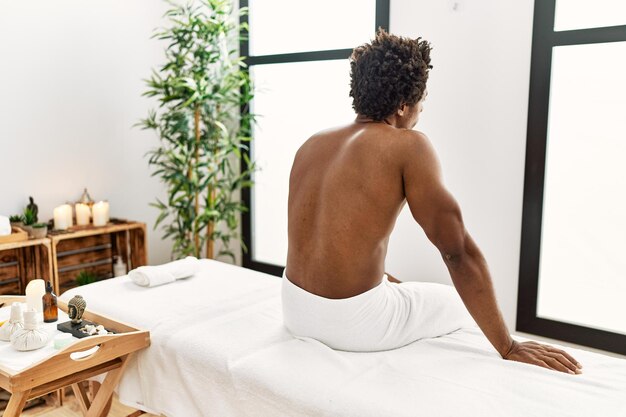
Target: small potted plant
[(29, 219), (17, 220), (39, 230), (85, 277)]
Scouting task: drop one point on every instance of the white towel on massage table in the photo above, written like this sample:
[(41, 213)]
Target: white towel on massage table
[(219, 349), (5, 226), (152, 276)]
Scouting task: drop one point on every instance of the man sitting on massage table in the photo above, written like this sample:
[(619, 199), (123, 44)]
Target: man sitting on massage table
[(346, 189)]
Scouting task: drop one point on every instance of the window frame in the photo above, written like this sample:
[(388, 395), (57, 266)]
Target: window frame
[(543, 42), (381, 20)]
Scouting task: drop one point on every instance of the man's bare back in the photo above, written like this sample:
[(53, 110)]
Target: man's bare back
[(345, 193), (348, 185)]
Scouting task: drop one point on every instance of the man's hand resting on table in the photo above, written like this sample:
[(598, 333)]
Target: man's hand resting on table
[(543, 355)]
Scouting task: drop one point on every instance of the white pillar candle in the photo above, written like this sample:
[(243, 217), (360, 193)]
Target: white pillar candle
[(68, 214), (61, 219), (17, 313), (82, 214), (100, 213), (35, 290)]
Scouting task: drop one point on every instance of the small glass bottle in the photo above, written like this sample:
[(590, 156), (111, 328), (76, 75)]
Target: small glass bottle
[(49, 300), (119, 267)]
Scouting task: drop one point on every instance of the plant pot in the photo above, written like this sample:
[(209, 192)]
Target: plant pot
[(39, 232), (18, 224), (28, 229)]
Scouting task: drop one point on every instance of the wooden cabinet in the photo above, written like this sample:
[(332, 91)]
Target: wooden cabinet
[(62, 255), (23, 261), (93, 249)]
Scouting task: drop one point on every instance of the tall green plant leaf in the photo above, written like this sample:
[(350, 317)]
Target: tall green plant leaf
[(200, 89)]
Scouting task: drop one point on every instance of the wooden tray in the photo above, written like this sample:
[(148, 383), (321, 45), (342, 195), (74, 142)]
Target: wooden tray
[(63, 368), (17, 235)]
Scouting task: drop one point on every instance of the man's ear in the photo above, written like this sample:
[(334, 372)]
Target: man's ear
[(401, 110)]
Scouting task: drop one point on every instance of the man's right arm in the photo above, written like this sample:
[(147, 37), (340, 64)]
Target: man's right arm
[(439, 215)]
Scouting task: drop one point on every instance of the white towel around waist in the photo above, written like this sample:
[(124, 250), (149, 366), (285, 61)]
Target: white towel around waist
[(385, 317)]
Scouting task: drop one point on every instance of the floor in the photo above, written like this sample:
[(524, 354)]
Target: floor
[(71, 409)]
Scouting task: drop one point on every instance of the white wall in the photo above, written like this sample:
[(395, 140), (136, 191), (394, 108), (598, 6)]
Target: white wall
[(71, 90)]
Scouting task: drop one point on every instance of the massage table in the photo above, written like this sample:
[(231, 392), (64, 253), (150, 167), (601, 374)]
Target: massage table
[(218, 348)]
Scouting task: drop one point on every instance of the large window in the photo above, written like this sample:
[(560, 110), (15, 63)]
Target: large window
[(298, 59), (573, 268)]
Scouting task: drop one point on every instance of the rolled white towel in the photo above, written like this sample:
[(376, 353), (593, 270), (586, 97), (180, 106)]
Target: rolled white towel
[(151, 276), (5, 226)]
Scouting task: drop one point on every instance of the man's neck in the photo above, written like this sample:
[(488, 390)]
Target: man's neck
[(365, 119)]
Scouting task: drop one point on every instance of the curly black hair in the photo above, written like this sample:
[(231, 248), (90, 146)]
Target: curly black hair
[(389, 72)]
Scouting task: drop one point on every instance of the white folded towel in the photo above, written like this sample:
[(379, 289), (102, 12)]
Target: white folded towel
[(151, 276), (5, 226)]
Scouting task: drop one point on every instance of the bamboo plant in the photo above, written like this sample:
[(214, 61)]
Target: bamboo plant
[(201, 89)]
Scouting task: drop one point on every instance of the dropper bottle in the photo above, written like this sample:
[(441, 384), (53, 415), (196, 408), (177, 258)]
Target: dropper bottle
[(50, 309)]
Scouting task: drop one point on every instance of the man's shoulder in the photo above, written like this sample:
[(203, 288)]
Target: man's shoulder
[(321, 136), (412, 137), (331, 132), (327, 133), (410, 143), (416, 154)]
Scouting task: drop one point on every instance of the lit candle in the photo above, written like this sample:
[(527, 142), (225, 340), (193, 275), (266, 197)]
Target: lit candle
[(82, 214), (68, 214), (63, 217), (35, 290), (100, 213)]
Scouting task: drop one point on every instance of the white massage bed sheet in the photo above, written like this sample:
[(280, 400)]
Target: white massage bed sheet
[(219, 349)]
